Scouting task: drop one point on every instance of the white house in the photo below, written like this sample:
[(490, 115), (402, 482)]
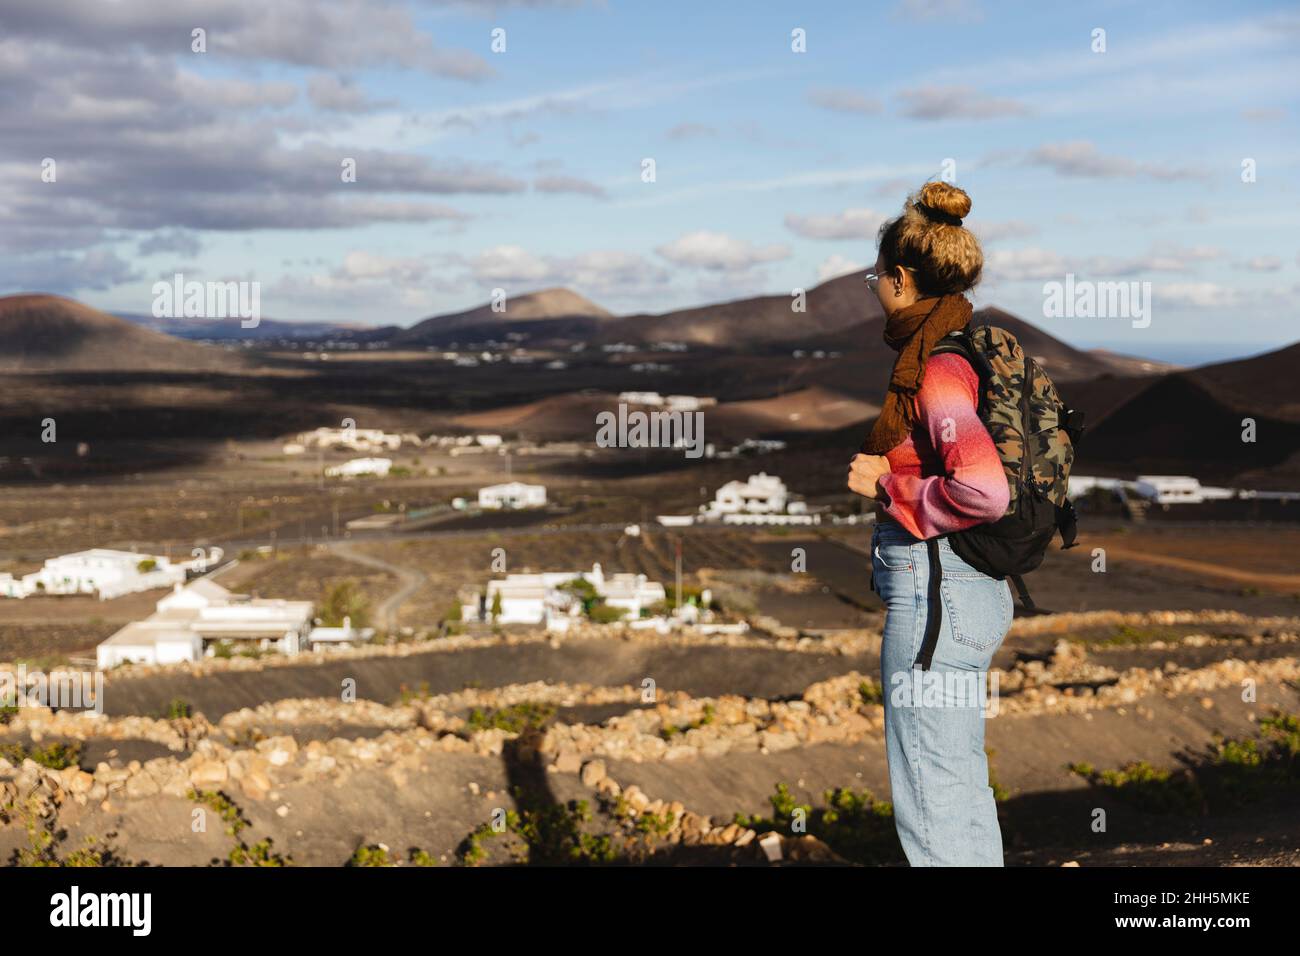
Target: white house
[(192, 620), (762, 499), (1158, 489), (541, 598), (688, 403), (11, 586), (512, 494), (632, 592), (345, 636), (675, 521), (760, 494), (359, 439), (361, 466), (194, 596), (1178, 489), (1082, 484), (151, 642), (101, 571), (641, 398)]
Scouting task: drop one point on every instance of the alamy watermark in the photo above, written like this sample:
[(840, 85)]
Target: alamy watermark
[(1085, 299), (61, 690), (956, 689), (658, 429), (208, 300)]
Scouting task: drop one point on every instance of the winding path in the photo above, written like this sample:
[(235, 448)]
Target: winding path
[(386, 613)]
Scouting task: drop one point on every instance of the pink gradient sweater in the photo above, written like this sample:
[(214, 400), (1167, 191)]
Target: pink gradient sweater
[(946, 476)]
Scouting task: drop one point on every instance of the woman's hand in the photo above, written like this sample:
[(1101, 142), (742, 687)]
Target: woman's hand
[(865, 472)]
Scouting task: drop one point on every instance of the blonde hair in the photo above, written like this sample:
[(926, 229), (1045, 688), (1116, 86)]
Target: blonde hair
[(928, 238)]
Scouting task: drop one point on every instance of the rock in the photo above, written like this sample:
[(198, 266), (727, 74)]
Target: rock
[(80, 782), (256, 784), (568, 761), (593, 772), (177, 783), (204, 773), (141, 785), (771, 844), (809, 849)]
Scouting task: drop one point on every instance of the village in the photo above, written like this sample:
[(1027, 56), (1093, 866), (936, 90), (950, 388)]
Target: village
[(198, 618)]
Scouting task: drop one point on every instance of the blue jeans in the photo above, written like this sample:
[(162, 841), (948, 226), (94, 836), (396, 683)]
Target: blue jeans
[(934, 719)]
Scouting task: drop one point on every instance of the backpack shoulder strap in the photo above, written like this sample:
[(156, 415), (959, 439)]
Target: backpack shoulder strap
[(957, 341), (961, 342)]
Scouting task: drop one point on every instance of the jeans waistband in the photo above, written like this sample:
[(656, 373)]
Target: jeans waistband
[(891, 530)]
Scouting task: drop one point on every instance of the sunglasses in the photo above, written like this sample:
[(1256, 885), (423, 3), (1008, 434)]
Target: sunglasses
[(872, 279)]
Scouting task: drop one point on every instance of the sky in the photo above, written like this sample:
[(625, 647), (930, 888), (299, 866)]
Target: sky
[(505, 146)]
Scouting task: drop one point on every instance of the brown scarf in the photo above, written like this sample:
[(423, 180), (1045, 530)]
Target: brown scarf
[(912, 332)]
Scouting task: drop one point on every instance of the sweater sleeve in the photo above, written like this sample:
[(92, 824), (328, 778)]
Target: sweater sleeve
[(971, 487)]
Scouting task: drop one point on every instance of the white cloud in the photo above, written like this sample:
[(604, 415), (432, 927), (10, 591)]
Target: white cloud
[(965, 10), (1030, 263), (718, 251), (690, 131), (507, 263), (568, 184), (598, 273), (1014, 265), (837, 265), (339, 94), (849, 224), (956, 102), (359, 265), (990, 232), (1082, 159), (1199, 295), (844, 101)]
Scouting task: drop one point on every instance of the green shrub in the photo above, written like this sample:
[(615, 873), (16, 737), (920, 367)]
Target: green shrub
[(855, 825), (513, 719), (345, 600), (55, 756)]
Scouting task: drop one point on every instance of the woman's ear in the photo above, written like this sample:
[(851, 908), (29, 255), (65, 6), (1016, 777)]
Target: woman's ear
[(898, 276)]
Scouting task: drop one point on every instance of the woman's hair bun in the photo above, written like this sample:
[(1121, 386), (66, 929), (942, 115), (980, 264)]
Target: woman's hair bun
[(929, 238), (945, 198)]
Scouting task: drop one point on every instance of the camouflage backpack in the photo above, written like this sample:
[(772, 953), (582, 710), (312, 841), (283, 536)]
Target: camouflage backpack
[(1035, 435)]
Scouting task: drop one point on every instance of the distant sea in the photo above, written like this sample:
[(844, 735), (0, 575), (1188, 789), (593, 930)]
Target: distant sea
[(1185, 353)]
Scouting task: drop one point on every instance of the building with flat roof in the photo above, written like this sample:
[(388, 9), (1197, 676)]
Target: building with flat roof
[(542, 598), (192, 621), (379, 467), (512, 494), (100, 571)]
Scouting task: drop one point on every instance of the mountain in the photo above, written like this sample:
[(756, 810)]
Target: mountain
[(50, 333), (856, 361), (571, 415), (1192, 420), (1132, 364), (546, 311), (746, 324)]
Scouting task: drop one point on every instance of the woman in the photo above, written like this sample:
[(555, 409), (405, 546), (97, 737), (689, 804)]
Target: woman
[(932, 468)]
